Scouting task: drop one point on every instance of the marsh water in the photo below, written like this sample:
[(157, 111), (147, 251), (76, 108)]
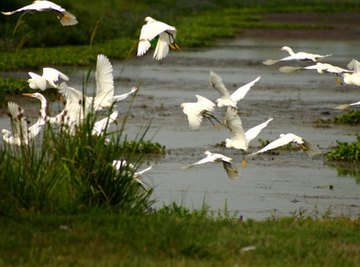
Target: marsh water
[(271, 184)]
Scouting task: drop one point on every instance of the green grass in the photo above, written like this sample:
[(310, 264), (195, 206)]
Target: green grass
[(65, 174), (172, 238)]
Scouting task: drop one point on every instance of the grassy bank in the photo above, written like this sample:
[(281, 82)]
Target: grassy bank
[(176, 237)]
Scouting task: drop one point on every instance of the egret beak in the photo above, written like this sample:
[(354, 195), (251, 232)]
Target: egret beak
[(28, 94)]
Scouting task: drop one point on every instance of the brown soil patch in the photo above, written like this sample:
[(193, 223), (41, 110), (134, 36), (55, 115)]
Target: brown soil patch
[(331, 26)]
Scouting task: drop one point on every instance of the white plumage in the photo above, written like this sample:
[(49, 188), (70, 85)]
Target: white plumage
[(240, 139), (49, 78), (226, 99), (300, 56), (216, 157), (197, 110), (152, 29), (65, 17), (288, 138)]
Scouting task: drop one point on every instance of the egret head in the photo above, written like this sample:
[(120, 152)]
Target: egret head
[(149, 19)]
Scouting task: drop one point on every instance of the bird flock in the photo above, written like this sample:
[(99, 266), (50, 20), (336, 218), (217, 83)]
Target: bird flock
[(78, 105)]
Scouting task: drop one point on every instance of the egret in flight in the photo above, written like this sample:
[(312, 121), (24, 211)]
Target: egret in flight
[(239, 138), (196, 111), (300, 56), (49, 78), (216, 157), (166, 38), (65, 17), (105, 97), (227, 99), (346, 106), (288, 138)]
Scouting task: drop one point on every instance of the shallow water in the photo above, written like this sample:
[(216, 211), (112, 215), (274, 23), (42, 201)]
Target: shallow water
[(270, 184)]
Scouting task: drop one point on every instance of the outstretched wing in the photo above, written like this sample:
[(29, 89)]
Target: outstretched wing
[(217, 83), (242, 91), (254, 131)]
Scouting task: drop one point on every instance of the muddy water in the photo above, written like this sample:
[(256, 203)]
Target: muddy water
[(270, 184)]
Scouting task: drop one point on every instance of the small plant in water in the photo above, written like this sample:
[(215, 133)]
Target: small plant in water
[(344, 151), (352, 117)]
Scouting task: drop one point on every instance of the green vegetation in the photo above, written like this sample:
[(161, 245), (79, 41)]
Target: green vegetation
[(61, 173), (344, 151), (174, 236), (352, 117)]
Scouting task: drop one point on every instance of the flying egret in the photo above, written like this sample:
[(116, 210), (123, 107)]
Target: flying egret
[(288, 138), (300, 56), (120, 164), (65, 17), (319, 67), (105, 97), (227, 99), (346, 106), (216, 157), (49, 78), (351, 78), (197, 110), (240, 139), (77, 107), (100, 126), (149, 31)]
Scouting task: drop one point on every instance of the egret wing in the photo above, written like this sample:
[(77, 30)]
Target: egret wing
[(253, 132), (281, 141), (217, 82), (242, 91)]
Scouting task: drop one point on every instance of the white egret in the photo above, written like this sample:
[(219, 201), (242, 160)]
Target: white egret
[(216, 157), (319, 67), (288, 138), (346, 106), (240, 139), (49, 78), (119, 164), (77, 107), (100, 126), (197, 110), (351, 78), (149, 31), (300, 56), (227, 99), (105, 97), (65, 17), (35, 128)]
